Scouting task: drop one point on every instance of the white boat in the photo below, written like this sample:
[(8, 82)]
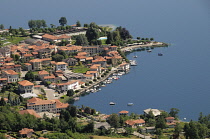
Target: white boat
[(112, 103), (133, 63), (135, 56), (149, 50), (130, 104)]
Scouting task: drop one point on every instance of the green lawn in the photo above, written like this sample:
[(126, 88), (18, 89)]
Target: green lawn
[(13, 40), (80, 69), (103, 42)]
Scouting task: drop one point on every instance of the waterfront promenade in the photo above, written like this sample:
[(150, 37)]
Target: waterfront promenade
[(114, 69), (152, 44)]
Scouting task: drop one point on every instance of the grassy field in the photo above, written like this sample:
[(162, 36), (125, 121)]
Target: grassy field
[(80, 69), (12, 40)]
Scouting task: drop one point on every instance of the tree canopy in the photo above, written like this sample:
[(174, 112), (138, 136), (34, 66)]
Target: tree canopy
[(63, 21), (37, 23)]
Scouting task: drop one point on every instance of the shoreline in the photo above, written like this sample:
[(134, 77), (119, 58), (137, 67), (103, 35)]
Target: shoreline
[(152, 44), (114, 69)]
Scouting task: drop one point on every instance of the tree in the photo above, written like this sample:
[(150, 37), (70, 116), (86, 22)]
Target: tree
[(174, 112), (151, 39), (124, 33), (1, 26), (72, 110), (114, 120), (63, 21), (2, 102), (178, 129), (78, 24), (92, 34), (159, 131), (129, 130), (81, 40), (57, 58), (30, 76), (70, 92), (138, 38), (161, 123), (89, 128)]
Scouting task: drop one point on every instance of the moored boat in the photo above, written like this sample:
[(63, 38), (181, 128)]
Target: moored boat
[(130, 104), (112, 103)]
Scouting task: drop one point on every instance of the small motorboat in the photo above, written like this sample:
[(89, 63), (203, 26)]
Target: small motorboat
[(112, 103), (130, 104), (135, 56), (149, 50), (160, 54)]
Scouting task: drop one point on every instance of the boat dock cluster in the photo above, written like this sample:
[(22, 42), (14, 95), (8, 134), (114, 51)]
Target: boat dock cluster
[(109, 80)]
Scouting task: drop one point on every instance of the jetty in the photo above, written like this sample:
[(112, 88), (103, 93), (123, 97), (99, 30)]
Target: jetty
[(152, 44)]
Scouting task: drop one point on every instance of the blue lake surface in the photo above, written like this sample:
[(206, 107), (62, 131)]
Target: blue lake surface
[(180, 78)]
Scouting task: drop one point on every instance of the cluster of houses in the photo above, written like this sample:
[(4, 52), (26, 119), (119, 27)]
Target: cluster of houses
[(37, 56)]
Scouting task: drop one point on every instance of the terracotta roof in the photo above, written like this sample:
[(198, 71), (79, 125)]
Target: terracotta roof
[(9, 64), (27, 55), (68, 83), (3, 79), (89, 58), (49, 77), (48, 36), (25, 131), (82, 53), (60, 104), (43, 72), (41, 102), (88, 75), (80, 82), (35, 60), (35, 53), (29, 111), (89, 72), (113, 46), (37, 86), (28, 64), (25, 83), (133, 122), (80, 57), (11, 72), (61, 63), (98, 59), (169, 118), (33, 99), (121, 112)]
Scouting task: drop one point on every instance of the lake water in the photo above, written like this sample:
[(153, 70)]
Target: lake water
[(179, 79)]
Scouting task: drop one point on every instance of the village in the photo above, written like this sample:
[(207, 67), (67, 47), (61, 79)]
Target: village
[(43, 73)]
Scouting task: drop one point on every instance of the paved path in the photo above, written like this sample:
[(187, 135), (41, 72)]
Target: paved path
[(95, 83), (141, 136), (143, 45)]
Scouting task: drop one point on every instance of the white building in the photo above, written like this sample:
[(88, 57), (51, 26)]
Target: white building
[(11, 75), (73, 84), (40, 105), (60, 66), (25, 86), (155, 112)]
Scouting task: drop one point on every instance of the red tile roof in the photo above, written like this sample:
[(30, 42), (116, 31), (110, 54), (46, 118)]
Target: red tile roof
[(25, 131), (25, 83), (43, 72), (29, 111), (124, 112), (10, 72)]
